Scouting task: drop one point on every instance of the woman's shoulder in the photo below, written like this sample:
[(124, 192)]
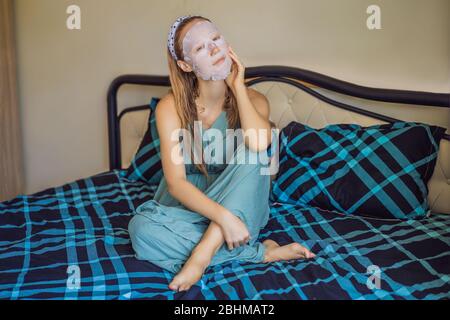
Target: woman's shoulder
[(166, 107), (166, 113), (167, 101)]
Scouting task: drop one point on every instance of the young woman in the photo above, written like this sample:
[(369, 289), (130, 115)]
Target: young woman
[(198, 207)]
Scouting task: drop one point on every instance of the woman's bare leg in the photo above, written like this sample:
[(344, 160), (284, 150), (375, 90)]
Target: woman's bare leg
[(200, 258), (212, 240), (294, 250)]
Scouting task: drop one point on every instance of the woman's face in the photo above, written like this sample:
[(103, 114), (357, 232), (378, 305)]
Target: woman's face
[(206, 50)]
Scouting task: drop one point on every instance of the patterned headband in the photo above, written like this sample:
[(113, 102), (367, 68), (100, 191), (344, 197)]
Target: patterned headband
[(171, 37)]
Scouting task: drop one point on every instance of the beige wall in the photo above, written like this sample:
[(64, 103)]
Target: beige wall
[(64, 75)]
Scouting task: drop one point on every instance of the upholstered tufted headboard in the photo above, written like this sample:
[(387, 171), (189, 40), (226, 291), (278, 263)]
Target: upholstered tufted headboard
[(304, 96)]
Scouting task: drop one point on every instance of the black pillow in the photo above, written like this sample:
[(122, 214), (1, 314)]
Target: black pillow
[(378, 171), (146, 164)]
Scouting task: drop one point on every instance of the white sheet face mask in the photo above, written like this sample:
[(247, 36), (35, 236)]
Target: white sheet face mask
[(203, 45)]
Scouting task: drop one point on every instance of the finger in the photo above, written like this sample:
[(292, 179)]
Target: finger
[(233, 62), (235, 69), (234, 55), (236, 60), (240, 66), (236, 244), (230, 245)]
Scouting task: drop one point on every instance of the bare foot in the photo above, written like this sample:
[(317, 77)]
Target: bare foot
[(190, 274), (275, 252), (268, 243)]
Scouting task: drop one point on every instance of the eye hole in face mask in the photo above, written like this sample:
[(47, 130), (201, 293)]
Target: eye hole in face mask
[(215, 38)]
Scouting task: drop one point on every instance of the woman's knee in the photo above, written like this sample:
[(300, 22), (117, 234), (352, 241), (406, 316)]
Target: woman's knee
[(143, 234), (136, 228), (154, 242)]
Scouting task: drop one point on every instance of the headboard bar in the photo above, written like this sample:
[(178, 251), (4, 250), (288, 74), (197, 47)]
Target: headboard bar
[(281, 74), (336, 85), (323, 98)]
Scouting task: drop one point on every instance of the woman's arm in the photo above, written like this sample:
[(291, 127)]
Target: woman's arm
[(253, 108), (254, 111), (168, 122)]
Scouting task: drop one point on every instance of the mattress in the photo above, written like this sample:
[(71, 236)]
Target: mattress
[(71, 242)]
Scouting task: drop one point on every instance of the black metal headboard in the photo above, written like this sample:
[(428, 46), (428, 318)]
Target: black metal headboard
[(275, 74)]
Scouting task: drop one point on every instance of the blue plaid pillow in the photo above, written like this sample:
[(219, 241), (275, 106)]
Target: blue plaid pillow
[(379, 171), (146, 164)]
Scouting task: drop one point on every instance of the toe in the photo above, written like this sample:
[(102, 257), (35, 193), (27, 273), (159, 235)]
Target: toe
[(308, 254), (174, 285), (184, 288), (301, 250), (305, 253)]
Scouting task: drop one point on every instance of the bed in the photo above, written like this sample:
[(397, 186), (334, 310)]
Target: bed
[(71, 241)]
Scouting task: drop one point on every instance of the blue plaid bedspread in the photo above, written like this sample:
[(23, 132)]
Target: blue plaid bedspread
[(71, 242)]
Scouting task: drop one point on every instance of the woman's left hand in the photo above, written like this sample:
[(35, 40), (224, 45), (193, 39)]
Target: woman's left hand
[(236, 77)]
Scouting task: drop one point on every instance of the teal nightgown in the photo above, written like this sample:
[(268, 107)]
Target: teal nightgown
[(165, 232)]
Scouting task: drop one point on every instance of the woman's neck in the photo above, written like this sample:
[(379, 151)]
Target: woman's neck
[(212, 93)]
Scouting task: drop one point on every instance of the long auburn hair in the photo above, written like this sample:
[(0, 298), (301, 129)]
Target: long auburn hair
[(184, 87)]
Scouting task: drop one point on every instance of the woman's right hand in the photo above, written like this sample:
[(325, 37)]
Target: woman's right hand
[(234, 230)]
